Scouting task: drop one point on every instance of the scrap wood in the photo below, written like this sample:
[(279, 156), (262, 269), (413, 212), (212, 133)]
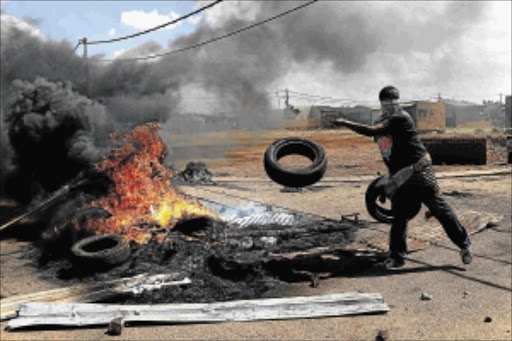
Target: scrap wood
[(85, 314), (328, 226), (90, 292), (431, 231), (321, 262), (423, 233), (325, 252), (78, 181), (49, 201), (316, 259)]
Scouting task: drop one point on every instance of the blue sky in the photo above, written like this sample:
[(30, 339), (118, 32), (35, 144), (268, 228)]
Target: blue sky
[(102, 20)]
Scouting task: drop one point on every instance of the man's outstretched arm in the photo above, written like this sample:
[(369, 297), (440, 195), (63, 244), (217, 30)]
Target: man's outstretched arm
[(361, 128)]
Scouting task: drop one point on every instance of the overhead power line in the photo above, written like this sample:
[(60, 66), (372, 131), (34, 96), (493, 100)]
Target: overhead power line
[(80, 42), (211, 40), (312, 98), (157, 27), (318, 100)]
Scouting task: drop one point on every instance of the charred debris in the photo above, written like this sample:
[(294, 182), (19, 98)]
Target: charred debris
[(223, 260), (195, 173), (226, 259), (124, 189)]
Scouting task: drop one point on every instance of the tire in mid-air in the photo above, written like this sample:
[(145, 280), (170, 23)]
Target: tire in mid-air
[(295, 177), (103, 250), (380, 213)]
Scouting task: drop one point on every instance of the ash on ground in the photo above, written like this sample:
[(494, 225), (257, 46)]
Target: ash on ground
[(224, 262), (195, 173)]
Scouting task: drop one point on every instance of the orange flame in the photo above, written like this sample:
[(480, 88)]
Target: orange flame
[(142, 202)]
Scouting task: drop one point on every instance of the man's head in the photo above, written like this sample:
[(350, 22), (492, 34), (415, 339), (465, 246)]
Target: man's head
[(388, 97), (389, 94)]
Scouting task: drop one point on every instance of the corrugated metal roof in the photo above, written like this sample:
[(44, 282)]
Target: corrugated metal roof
[(285, 219)]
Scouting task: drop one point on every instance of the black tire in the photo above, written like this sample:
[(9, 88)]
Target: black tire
[(103, 250), (378, 212), (295, 177)]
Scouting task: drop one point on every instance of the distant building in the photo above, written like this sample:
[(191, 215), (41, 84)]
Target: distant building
[(458, 113), (320, 116), (296, 117), (428, 116), (508, 111), (361, 114)]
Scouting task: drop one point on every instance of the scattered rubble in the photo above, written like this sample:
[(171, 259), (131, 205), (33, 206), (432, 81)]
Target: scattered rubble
[(225, 261), (348, 165), (457, 194), (426, 296), (115, 327), (488, 319), (195, 173), (382, 335), (93, 292), (287, 189)]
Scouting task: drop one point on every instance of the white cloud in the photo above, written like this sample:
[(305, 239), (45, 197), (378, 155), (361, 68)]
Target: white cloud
[(145, 20), (118, 53), (243, 10), (194, 20), (112, 31)]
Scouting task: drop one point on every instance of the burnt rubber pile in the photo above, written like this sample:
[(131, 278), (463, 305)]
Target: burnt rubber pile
[(223, 260), (195, 173)]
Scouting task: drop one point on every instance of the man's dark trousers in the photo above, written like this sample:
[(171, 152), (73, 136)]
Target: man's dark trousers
[(402, 202)]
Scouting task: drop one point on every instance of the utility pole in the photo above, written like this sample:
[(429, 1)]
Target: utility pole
[(84, 56), (278, 99), (84, 42), (287, 98), (439, 97), (501, 96)]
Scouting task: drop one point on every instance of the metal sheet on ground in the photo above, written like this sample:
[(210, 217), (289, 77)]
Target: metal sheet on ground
[(341, 304), (420, 236)]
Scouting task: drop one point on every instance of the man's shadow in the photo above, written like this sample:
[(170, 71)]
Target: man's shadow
[(378, 270), (350, 264)]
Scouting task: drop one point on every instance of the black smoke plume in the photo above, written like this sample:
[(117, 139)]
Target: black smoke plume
[(52, 132), (362, 40)]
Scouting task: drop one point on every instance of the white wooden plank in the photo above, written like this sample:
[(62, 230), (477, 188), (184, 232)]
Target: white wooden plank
[(82, 314), (88, 292), (198, 317), (340, 298)]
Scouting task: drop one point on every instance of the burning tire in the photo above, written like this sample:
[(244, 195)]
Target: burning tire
[(106, 250), (295, 177), (378, 212)]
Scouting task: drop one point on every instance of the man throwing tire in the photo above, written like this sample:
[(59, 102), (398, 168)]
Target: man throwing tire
[(411, 177)]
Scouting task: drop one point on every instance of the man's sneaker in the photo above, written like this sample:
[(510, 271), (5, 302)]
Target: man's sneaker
[(393, 263), (466, 255)]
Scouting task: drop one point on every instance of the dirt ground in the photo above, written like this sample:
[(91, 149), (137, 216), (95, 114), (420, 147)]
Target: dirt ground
[(462, 297), (240, 153)]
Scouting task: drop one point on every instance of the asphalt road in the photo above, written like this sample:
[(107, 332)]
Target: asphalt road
[(462, 296)]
